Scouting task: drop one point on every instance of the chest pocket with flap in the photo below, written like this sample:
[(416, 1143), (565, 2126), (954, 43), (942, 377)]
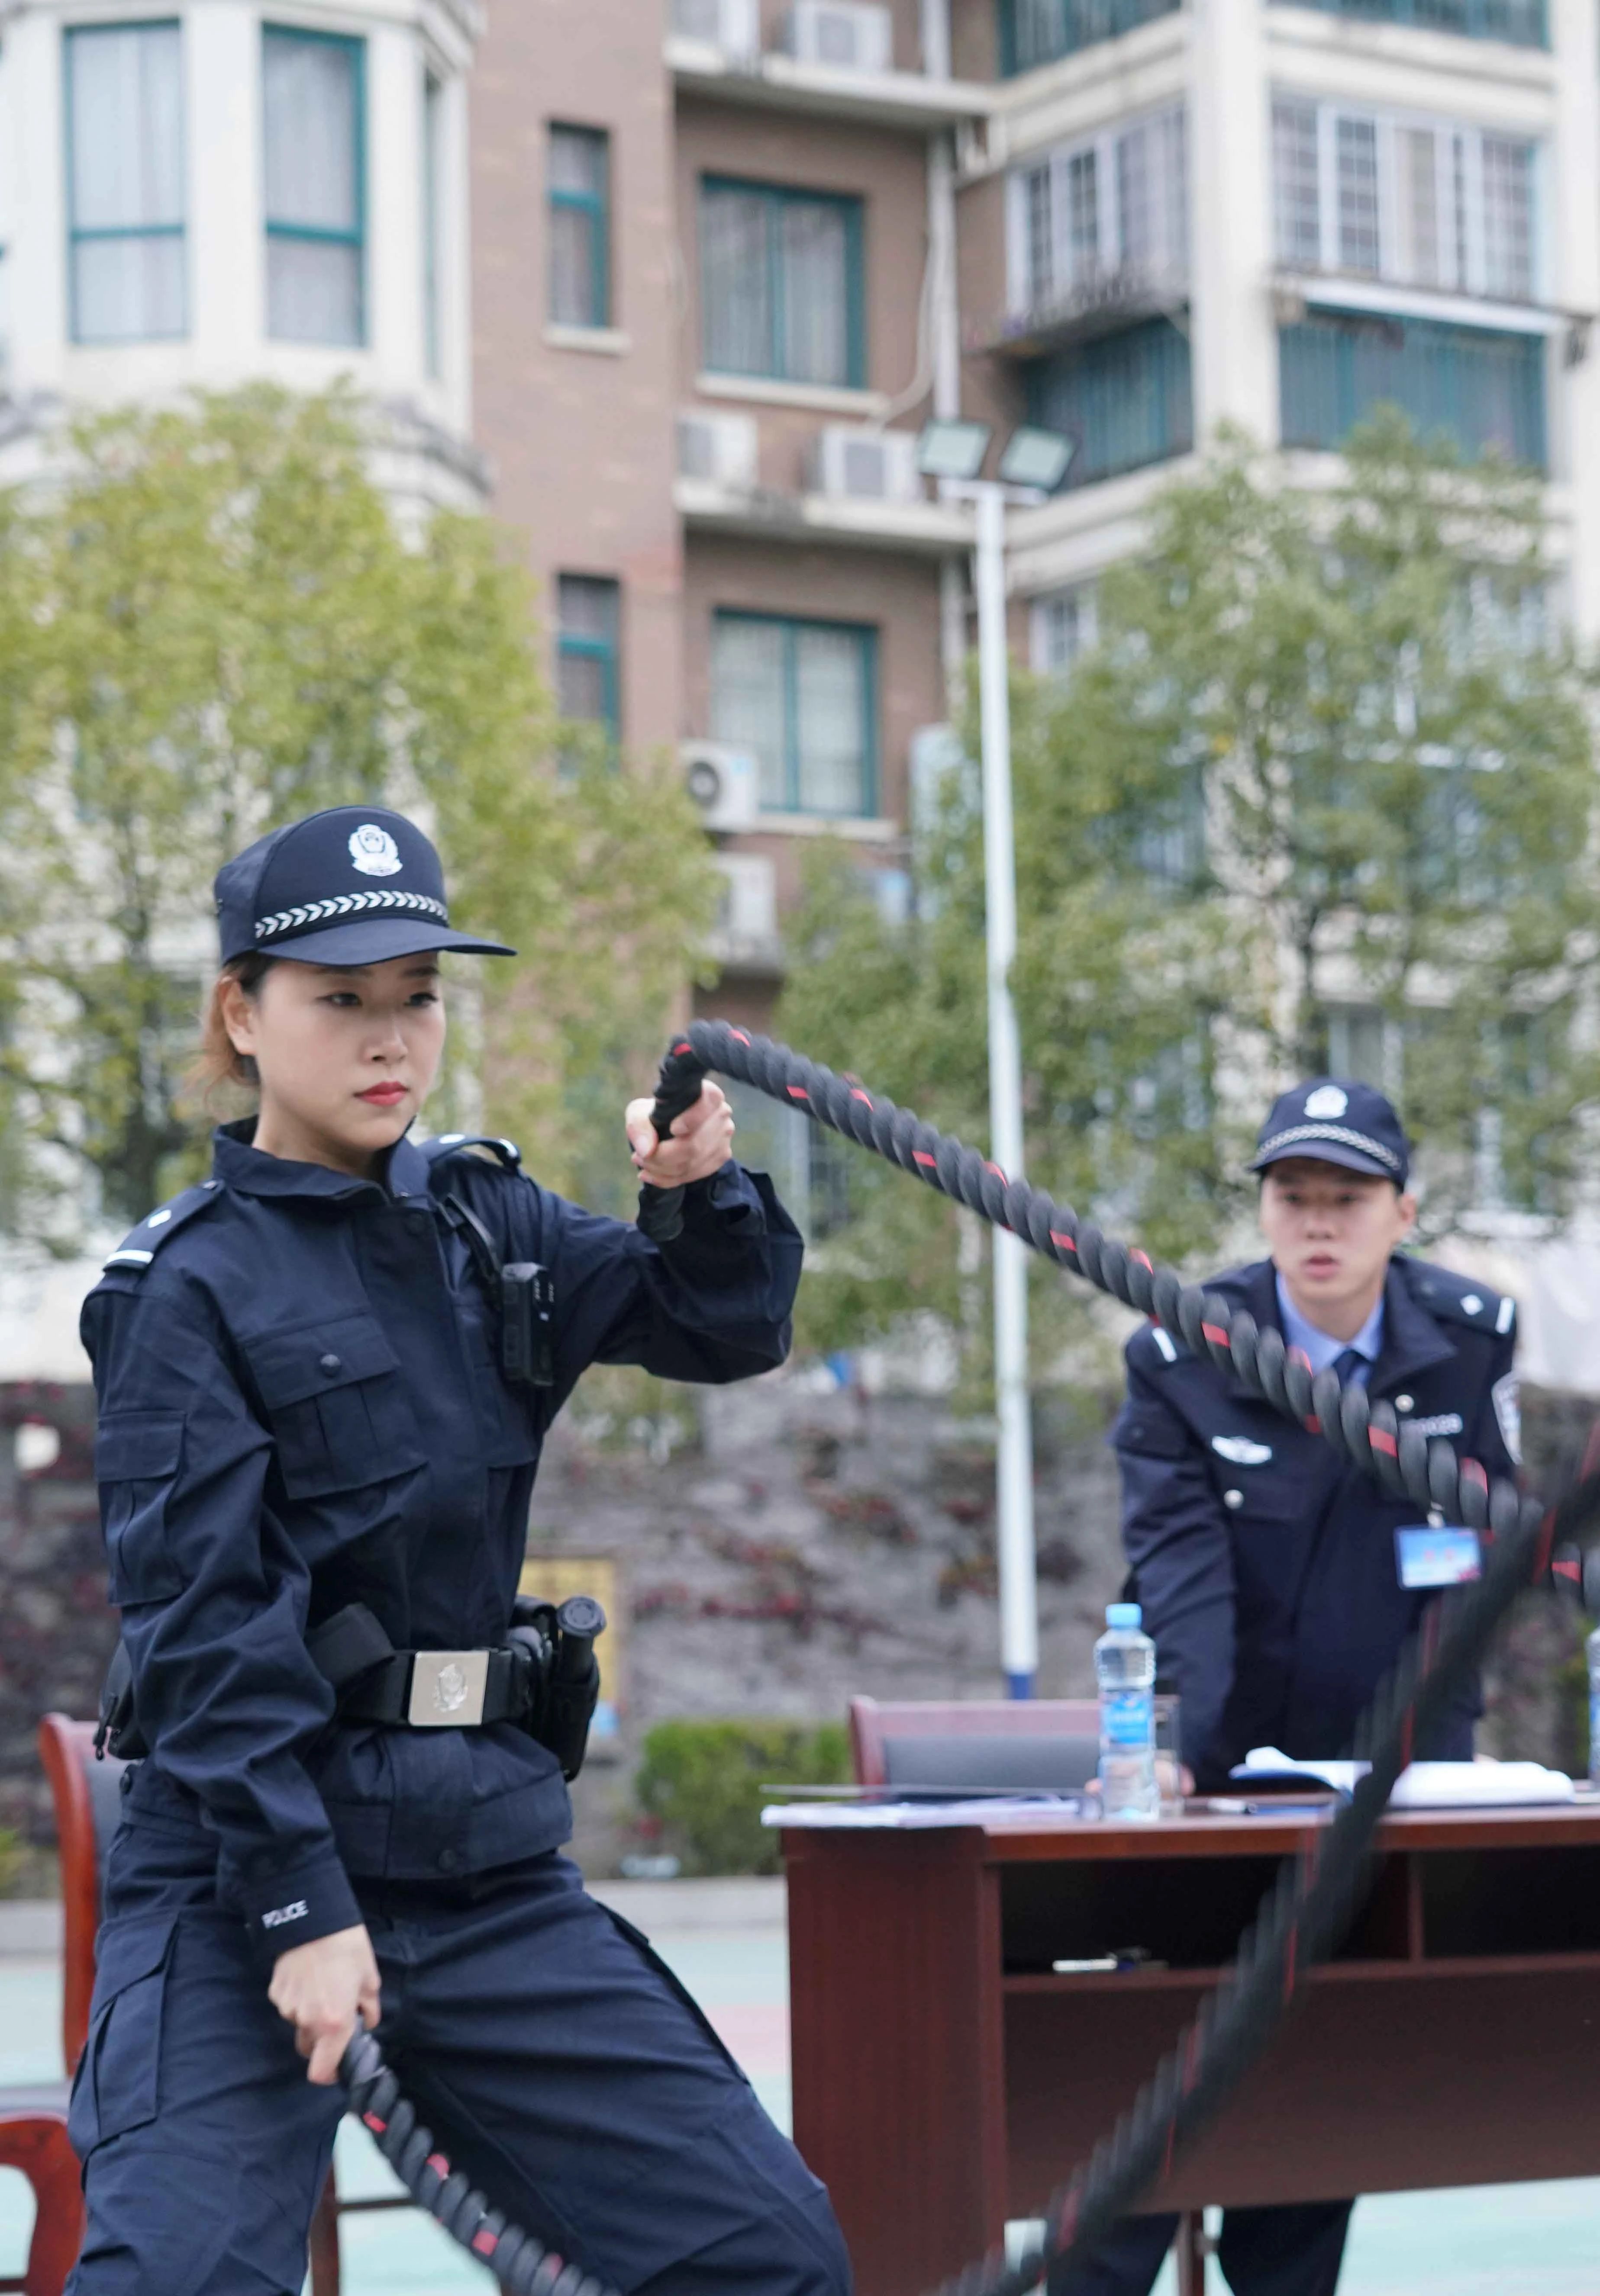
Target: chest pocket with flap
[(336, 1400)]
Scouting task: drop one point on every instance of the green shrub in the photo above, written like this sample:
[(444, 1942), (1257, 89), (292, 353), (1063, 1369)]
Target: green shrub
[(702, 1783)]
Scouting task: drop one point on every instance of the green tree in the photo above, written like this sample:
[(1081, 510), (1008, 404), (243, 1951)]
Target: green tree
[(1329, 752), (211, 625)]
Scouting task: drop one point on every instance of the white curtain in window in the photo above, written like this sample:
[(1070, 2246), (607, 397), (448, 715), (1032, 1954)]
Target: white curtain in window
[(1421, 245), (831, 730), (815, 268), (748, 709), (128, 290), (310, 95), (127, 134), (313, 292), (736, 282)]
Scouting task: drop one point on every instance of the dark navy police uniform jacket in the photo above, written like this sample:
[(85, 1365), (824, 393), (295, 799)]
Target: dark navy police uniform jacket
[(301, 1406), (1265, 1565)]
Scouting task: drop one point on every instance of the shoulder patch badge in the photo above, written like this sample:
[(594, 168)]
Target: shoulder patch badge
[(140, 1246)]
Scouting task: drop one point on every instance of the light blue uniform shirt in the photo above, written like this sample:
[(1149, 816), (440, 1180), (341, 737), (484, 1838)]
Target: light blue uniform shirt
[(1321, 1347)]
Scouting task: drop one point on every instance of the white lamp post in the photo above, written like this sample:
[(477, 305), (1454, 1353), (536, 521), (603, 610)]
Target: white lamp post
[(1031, 465)]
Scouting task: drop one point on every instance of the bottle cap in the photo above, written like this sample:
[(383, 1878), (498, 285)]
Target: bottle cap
[(1123, 1614)]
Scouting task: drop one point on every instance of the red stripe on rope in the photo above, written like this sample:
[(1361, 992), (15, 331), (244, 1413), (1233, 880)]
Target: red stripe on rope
[(485, 2243), (797, 1092), (1216, 1335), (1143, 1258), (375, 2124), (1381, 1440), (683, 1048), (857, 1094), (1067, 1243), (738, 1035), (1313, 1425), (920, 1156), (438, 2161), (995, 1168)]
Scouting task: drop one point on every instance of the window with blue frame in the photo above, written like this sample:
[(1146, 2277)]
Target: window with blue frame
[(1034, 32), (314, 133), (588, 623), (1523, 23), (782, 295), (1480, 387), (125, 180), (1127, 399), (801, 696), (580, 266)]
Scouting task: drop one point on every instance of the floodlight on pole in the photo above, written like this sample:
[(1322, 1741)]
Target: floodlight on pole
[(1032, 465)]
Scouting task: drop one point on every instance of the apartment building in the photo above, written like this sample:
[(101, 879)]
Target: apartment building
[(730, 254), (206, 193)]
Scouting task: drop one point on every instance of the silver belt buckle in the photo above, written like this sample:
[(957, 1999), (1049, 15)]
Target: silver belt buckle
[(447, 1689)]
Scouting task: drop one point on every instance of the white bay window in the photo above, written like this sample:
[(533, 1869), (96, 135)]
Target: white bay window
[(1419, 202), (1112, 207)]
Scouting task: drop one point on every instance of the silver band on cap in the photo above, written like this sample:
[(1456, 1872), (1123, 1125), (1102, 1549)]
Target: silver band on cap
[(347, 905), (1338, 1133)]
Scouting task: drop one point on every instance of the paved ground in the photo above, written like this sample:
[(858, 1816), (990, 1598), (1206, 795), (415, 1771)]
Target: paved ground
[(727, 1944)]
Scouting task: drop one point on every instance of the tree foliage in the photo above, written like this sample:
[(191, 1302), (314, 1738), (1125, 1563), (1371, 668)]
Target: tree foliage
[(211, 625), (1329, 755)]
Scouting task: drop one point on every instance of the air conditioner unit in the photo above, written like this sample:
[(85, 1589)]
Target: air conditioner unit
[(856, 465), (747, 914), (847, 34), (724, 782), (716, 446), (733, 26)]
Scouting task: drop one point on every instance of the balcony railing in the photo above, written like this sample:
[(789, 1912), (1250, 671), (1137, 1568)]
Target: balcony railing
[(1127, 399), (1482, 388), (1523, 23), (1034, 32)]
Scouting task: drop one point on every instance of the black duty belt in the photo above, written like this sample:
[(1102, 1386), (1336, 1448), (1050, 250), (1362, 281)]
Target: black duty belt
[(441, 1689), (428, 1689)]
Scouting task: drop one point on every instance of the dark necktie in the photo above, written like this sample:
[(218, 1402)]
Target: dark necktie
[(1352, 1364)]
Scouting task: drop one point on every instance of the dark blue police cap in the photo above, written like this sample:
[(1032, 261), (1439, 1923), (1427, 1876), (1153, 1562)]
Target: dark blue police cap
[(351, 886), (1336, 1122)]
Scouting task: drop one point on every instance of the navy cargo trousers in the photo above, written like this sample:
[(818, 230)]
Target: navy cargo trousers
[(555, 2059)]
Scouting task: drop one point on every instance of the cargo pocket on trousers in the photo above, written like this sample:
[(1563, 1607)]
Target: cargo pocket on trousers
[(118, 2081), (676, 1986)]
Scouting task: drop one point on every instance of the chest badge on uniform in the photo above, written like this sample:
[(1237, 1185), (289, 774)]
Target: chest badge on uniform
[(1241, 1450), (374, 851)]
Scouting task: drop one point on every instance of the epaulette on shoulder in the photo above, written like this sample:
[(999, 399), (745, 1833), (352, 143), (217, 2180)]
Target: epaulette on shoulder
[(459, 1143), (1167, 1346), (140, 1246), (1461, 1299)]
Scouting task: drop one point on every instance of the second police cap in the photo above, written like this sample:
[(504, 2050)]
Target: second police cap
[(355, 885), (1334, 1121)]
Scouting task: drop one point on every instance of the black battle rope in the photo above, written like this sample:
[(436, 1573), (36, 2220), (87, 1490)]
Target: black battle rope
[(519, 2262), (1304, 1915)]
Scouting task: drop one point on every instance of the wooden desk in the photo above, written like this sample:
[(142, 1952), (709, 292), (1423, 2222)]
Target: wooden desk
[(945, 2079)]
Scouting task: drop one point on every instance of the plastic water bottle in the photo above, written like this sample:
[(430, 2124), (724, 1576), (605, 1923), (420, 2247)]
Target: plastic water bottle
[(1592, 1652), (1125, 1664)]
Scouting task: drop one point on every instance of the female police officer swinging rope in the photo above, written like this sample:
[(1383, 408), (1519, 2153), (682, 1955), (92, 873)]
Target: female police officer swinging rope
[(314, 1475)]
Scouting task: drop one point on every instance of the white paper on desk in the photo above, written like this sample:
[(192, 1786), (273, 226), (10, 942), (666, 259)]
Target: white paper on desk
[(1427, 1786), (904, 1815)]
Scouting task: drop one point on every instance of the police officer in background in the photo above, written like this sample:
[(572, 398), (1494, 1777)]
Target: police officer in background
[(1267, 1566), (325, 1377)]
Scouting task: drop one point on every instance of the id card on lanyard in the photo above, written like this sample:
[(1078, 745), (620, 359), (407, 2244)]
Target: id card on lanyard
[(1438, 1554)]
